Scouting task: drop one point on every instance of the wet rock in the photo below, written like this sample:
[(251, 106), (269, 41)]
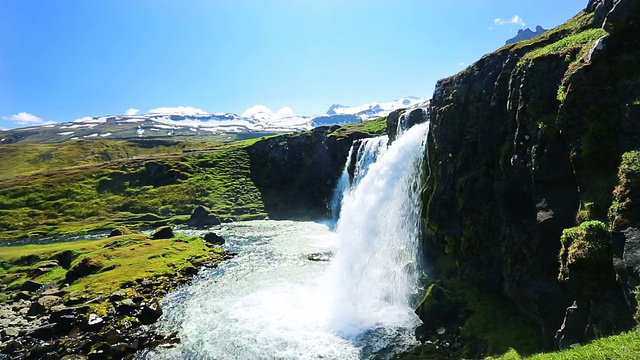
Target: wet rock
[(126, 307), (44, 332), (117, 296), (74, 357), (213, 238), (121, 350), (12, 346), (101, 351), (322, 256), (191, 271), (10, 332), (163, 232), (150, 312), (94, 323), (203, 217), (30, 286)]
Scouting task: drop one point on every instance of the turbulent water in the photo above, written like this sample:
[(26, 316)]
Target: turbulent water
[(271, 302)]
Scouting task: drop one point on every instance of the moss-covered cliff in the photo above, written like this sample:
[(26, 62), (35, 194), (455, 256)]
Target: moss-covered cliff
[(524, 144)]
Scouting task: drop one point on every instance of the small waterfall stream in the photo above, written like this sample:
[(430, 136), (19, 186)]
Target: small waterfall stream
[(270, 302)]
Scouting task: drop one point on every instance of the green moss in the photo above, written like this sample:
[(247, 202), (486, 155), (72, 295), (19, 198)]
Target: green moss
[(590, 241), (491, 323), (562, 93)]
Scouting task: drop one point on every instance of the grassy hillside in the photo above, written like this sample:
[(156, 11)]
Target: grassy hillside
[(81, 186)]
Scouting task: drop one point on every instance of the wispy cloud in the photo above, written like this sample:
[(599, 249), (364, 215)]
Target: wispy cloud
[(178, 110), (25, 118), (516, 20), (132, 111), (3, 129)]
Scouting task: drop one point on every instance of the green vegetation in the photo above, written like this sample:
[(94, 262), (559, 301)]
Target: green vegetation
[(580, 41), (623, 346), (110, 263), (586, 243), (373, 127), (492, 323), (562, 93), (127, 192)]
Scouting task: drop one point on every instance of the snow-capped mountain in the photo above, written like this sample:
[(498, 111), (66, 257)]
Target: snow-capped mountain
[(257, 119)]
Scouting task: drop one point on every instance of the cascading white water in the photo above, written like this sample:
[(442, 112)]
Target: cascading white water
[(270, 302), (376, 269), (366, 152)]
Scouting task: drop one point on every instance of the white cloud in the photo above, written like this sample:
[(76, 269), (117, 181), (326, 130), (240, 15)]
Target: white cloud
[(517, 20), (24, 118), (3, 129), (461, 64), (132, 111), (178, 110), (27, 119)]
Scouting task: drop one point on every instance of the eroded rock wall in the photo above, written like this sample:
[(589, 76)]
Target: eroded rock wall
[(521, 148)]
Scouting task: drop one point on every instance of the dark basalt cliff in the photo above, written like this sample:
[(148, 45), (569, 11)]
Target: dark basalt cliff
[(296, 173), (525, 144)]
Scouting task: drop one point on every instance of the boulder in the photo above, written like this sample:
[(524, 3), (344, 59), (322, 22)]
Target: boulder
[(86, 266), (323, 256), (120, 230), (30, 286), (213, 238), (44, 304), (44, 332), (202, 217), (150, 312), (126, 307), (163, 232)]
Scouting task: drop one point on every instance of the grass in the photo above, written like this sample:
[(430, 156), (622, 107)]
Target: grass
[(119, 261), (580, 41), (165, 187), (373, 127), (623, 346)]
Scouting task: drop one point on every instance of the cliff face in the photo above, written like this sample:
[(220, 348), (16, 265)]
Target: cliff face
[(296, 173), (526, 143)]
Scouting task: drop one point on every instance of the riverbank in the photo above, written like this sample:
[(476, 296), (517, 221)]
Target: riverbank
[(93, 299)]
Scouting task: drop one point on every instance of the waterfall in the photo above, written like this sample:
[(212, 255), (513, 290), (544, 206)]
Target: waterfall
[(270, 302), (375, 272), (362, 154)]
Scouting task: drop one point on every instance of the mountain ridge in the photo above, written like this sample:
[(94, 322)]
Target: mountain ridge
[(258, 119)]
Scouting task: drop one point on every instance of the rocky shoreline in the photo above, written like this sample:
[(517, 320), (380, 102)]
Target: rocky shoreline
[(44, 321)]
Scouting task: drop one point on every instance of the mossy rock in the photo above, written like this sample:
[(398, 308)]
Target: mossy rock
[(583, 246), (163, 232)]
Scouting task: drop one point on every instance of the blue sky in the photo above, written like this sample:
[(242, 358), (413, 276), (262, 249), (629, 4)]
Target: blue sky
[(66, 59)]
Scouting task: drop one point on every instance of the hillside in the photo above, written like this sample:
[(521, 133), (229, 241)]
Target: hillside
[(91, 185)]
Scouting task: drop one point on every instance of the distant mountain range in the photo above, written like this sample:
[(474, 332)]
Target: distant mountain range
[(526, 34), (260, 120)]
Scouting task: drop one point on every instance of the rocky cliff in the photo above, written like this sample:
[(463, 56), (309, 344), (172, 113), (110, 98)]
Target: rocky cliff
[(297, 173), (525, 145)]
